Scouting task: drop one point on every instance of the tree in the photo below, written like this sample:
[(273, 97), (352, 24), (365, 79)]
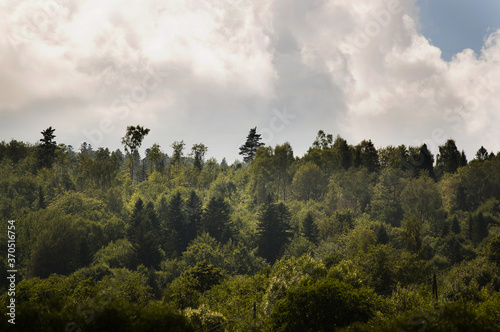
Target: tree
[(156, 158), (309, 228), (250, 147), (342, 152), (412, 234), (322, 141), (366, 156), (47, 148), (178, 154), (216, 219), (198, 152), (449, 158), (273, 230), (482, 154), (324, 305), (308, 182), (283, 159), (425, 162), (143, 236), (132, 142)]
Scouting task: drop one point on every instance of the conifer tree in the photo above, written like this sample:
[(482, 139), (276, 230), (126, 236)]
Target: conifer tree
[(216, 220), (310, 230), (250, 147), (273, 230)]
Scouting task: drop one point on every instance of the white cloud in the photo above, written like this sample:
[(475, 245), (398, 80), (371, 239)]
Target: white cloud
[(209, 70)]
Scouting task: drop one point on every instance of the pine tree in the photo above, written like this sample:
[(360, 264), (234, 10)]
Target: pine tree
[(310, 230), (273, 230), (216, 219), (250, 147), (448, 159), (143, 237), (455, 225), (482, 154), (47, 148), (426, 162)]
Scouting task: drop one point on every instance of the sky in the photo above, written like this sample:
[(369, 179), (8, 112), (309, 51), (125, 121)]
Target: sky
[(396, 72)]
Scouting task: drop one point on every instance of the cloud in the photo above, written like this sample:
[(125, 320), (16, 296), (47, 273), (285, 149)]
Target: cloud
[(207, 71)]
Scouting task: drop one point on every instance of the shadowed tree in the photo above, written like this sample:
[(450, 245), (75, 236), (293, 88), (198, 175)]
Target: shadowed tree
[(216, 220), (449, 158), (47, 148), (156, 159), (132, 142), (198, 152), (482, 154), (273, 230), (178, 154), (309, 228), (143, 237), (250, 147)]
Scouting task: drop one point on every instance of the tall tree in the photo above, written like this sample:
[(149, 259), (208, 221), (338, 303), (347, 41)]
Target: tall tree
[(283, 159), (156, 159), (198, 152), (143, 237), (250, 147), (366, 155), (449, 158), (273, 230), (47, 148), (178, 153), (132, 141), (482, 154), (216, 220), (342, 152), (309, 228)]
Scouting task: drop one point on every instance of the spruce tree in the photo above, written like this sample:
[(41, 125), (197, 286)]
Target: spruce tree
[(310, 230), (250, 147), (47, 148), (273, 230), (216, 220), (143, 237)]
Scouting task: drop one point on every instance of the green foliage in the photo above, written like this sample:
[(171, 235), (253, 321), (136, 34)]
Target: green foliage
[(323, 305), (251, 145), (308, 182), (273, 230), (97, 246)]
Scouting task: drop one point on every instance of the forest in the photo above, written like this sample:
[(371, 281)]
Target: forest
[(344, 238)]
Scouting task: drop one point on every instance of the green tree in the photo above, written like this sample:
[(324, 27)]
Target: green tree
[(308, 182), (324, 305), (449, 158), (143, 237), (366, 155), (178, 154), (216, 219), (47, 148), (309, 228), (58, 248), (132, 141), (482, 154), (273, 230), (198, 152), (412, 234), (342, 152), (156, 159), (251, 145), (283, 159)]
